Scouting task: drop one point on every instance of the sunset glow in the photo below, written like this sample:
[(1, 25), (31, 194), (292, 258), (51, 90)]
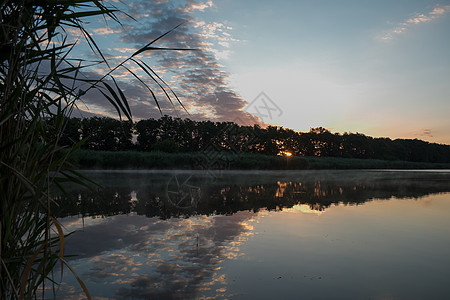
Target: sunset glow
[(285, 153)]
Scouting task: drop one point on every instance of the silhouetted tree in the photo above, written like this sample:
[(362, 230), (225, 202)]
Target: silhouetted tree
[(72, 133), (106, 134), (169, 134)]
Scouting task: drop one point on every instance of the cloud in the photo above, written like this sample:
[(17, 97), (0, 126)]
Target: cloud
[(427, 133), (219, 37), (105, 30), (197, 77), (192, 6), (418, 18)]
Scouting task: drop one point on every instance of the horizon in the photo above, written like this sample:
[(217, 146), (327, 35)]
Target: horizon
[(380, 69)]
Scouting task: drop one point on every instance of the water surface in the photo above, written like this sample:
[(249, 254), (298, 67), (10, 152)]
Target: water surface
[(261, 235)]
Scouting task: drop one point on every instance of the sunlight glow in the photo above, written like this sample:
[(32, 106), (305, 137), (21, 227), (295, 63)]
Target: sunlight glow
[(304, 209), (284, 153)]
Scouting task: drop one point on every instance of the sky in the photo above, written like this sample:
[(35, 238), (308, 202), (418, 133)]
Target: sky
[(381, 68)]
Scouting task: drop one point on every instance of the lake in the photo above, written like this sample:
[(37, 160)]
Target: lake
[(259, 235)]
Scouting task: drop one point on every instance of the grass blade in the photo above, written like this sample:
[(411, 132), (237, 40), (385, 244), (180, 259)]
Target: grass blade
[(80, 282), (149, 89), (155, 40), (62, 242)]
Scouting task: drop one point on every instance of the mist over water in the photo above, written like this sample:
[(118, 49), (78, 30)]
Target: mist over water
[(261, 234)]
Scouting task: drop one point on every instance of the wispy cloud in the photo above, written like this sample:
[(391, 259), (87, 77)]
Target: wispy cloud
[(418, 18), (218, 38), (427, 133), (105, 30), (192, 6)]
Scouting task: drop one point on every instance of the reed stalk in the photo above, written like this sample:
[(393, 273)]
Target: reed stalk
[(39, 89)]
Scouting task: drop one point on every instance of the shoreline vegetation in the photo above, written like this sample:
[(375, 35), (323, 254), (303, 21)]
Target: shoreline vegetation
[(175, 143), (113, 160)]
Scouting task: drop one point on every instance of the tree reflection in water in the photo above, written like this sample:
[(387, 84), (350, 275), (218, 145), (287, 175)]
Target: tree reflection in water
[(242, 191)]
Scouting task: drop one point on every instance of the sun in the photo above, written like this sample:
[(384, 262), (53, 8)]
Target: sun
[(284, 153)]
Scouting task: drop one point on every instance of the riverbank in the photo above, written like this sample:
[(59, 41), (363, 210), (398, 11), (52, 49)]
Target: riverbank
[(88, 159)]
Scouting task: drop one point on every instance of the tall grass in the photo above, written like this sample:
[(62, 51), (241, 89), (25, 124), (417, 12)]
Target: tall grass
[(91, 159), (39, 89)]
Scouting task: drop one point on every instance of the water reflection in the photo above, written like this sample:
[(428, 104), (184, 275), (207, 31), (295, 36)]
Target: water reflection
[(133, 241), (156, 195), (150, 258)]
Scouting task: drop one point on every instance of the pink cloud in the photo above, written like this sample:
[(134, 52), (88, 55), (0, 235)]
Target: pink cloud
[(418, 18)]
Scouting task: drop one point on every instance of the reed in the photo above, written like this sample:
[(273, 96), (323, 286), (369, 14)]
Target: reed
[(40, 86)]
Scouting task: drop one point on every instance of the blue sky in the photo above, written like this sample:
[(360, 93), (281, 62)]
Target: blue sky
[(381, 68)]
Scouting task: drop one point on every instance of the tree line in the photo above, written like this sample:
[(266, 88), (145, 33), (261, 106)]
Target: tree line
[(173, 135)]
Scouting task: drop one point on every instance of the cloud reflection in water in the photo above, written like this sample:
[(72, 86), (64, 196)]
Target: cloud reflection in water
[(141, 258)]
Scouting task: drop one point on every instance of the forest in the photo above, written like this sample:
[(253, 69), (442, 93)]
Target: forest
[(175, 135)]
